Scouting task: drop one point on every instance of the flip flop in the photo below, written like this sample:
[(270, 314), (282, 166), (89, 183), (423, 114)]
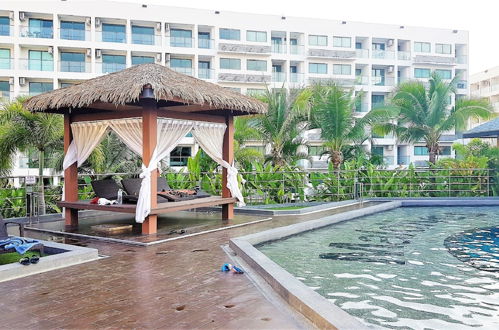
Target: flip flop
[(24, 261), (34, 259)]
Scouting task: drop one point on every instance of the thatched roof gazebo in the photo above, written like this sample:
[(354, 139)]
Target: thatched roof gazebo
[(150, 107)]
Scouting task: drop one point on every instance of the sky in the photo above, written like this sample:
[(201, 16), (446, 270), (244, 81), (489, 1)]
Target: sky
[(479, 17)]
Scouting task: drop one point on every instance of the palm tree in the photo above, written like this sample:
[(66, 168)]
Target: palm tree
[(21, 130), (286, 119), (333, 112), (418, 113), (244, 131)]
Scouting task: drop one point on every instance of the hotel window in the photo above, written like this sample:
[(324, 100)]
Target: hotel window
[(72, 30), (376, 150), (358, 45), (113, 63), (63, 85), (234, 89), (180, 155), (378, 46), (319, 68), (444, 74), (315, 40), (256, 36), (143, 35), (72, 62), (230, 34), (422, 47), (39, 28), (4, 26), (40, 61), (113, 33), (142, 59), (256, 65), (420, 151), (377, 100), (204, 71), (443, 48), (36, 88), (230, 63), (5, 59), (422, 73), (204, 40), (180, 38), (4, 89), (342, 69), (445, 151), (342, 42), (181, 65), (255, 91)]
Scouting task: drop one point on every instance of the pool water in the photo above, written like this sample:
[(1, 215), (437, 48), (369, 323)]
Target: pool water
[(419, 268)]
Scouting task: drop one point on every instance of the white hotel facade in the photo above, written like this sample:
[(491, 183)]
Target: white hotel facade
[(51, 44)]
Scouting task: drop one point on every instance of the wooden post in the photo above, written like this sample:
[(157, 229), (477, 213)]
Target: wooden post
[(70, 179), (149, 136), (228, 156)]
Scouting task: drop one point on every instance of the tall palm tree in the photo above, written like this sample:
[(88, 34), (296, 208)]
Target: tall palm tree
[(21, 130), (418, 113), (244, 131), (286, 119), (333, 112)]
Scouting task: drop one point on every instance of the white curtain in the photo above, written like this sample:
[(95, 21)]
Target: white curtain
[(210, 137), (170, 132), (130, 132), (86, 136)]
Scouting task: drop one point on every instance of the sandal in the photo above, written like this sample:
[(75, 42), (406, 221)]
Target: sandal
[(24, 261), (34, 259)]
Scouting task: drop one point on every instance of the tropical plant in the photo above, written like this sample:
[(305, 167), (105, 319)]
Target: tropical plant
[(20, 130), (418, 113), (286, 119)]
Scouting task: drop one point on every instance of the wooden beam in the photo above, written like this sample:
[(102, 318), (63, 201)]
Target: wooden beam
[(149, 138), (70, 179), (188, 108), (119, 114), (164, 113), (228, 156)]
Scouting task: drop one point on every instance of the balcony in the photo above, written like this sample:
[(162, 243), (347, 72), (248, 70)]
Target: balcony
[(296, 49), (404, 56), (44, 33), (382, 81), (336, 54), (388, 160), (296, 78), (4, 95), (181, 42), (146, 39), (109, 67), (428, 59), (383, 54), (278, 76), (206, 43), (462, 84), (111, 36), (326, 80), (6, 30), (74, 34), (461, 59), (279, 48), (361, 107), (74, 66), (183, 70), (362, 53), (244, 78), (403, 160), (362, 80), (6, 63), (36, 65), (243, 49), (206, 73)]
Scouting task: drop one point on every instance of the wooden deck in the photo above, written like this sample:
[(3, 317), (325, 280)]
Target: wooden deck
[(161, 208)]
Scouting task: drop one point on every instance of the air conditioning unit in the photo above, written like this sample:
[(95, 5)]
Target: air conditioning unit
[(89, 52), (390, 42), (390, 69), (158, 57), (88, 21), (167, 58), (158, 27), (98, 53), (22, 16), (97, 22), (167, 27), (50, 50), (22, 81), (389, 148), (11, 81)]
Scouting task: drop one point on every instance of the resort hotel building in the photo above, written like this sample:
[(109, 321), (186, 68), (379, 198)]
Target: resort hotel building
[(52, 44)]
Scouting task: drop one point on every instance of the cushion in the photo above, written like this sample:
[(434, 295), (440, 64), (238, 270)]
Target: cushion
[(107, 188)]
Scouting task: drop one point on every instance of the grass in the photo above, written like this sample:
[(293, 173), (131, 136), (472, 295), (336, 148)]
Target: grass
[(287, 208), (12, 257)]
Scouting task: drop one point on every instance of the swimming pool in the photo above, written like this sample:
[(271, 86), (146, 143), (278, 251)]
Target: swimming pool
[(411, 267)]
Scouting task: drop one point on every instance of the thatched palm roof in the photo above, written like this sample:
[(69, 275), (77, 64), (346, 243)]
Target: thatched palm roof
[(125, 86)]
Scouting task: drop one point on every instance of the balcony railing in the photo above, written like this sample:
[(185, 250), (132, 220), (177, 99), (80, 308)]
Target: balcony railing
[(361, 80), (109, 67), (6, 30), (403, 160), (383, 54), (36, 65), (74, 34), (146, 39), (205, 73), (382, 81), (278, 76), (461, 59), (361, 107), (187, 71), (404, 56), (4, 95), (206, 43), (362, 53), (181, 42), (6, 63), (296, 78), (296, 49), (27, 32), (111, 36), (74, 66), (388, 160), (279, 48)]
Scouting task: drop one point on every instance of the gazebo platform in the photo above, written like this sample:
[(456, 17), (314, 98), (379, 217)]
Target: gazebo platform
[(159, 209)]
